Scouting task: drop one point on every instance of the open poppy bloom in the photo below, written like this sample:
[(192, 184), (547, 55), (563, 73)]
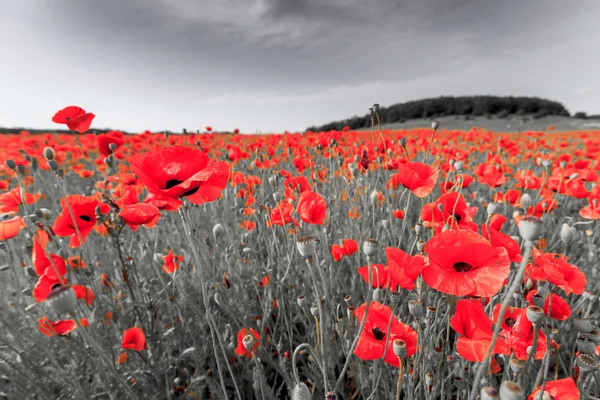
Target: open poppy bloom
[(180, 171), (560, 308), (450, 209), (10, 227), (105, 140), (75, 118), (403, 268), (11, 200), (282, 215), (555, 269), (162, 202), (134, 339), (517, 332), (499, 239), (380, 276), (373, 338), (312, 208), (171, 262), (417, 177), (461, 263), (475, 329), (347, 248), (61, 327), (240, 350), (561, 389), (144, 214), (84, 211)]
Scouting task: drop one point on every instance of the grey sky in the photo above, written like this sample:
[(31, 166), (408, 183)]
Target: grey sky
[(272, 65)]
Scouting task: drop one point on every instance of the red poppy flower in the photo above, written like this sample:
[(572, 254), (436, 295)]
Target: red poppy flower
[(85, 293), (403, 268), (312, 208), (560, 308), (84, 211), (134, 339), (462, 262), (282, 215), (11, 200), (380, 278), (135, 215), (163, 203), (9, 228), (499, 239), (372, 341), (171, 262), (450, 209), (180, 171), (593, 210), (517, 332), (398, 214), (417, 177), (555, 269), (105, 140), (561, 389), (347, 248), (75, 118), (240, 350), (496, 221), (61, 327), (475, 329)]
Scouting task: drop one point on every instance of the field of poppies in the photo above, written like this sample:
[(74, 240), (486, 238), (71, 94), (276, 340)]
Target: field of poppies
[(415, 264)]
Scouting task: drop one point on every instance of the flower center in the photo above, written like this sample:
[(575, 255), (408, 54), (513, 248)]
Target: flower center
[(174, 182), (457, 217), (462, 266), (379, 335), (510, 322), (85, 218)]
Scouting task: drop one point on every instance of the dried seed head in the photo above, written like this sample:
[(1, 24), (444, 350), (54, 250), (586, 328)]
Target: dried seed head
[(492, 208), (301, 301), (307, 246), (511, 391), (418, 228), (62, 299), (10, 164), (530, 228), (399, 347), (538, 300), (377, 294), (586, 363), (370, 247), (301, 392), (248, 342), (488, 393), (516, 365), (526, 201), (420, 246), (416, 308), (583, 325), (535, 314), (586, 346), (594, 336)]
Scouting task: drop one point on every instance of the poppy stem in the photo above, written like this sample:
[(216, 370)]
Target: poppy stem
[(505, 301), (400, 376)]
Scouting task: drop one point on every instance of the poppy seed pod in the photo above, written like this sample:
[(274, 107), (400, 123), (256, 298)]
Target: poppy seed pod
[(586, 363), (458, 165), (492, 208), (583, 325), (586, 346), (418, 228), (563, 164), (301, 392), (594, 336), (538, 300), (301, 300), (435, 124), (399, 347), (277, 196), (516, 365), (526, 201), (62, 299), (511, 391), (248, 342), (218, 230), (330, 396), (488, 393), (10, 164), (314, 311), (370, 247), (377, 294), (307, 246), (273, 180), (416, 309), (530, 228), (402, 141), (535, 314), (546, 164)]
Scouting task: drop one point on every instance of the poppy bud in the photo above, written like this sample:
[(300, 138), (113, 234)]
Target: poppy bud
[(374, 197), (586, 346), (595, 337), (63, 299), (526, 201), (43, 213), (431, 310), (218, 230), (546, 164), (53, 165), (248, 342), (399, 347), (567, 233), (371, 111), (563, 164), (277, 196), (217, 298), (376, 107), (511, 391), (435, 125), (307, 246), (31, 272), (492, 208), (370, 247), (386, 224), (301, 300), (21, 169), (377, 294), (112, 147), (402, 141), (416, 309), (535, 314), (488, 393), (516, 365), (530, 228), (428, 378), (583, 325), (10, 164), (458, 165), (586, 363), (301, 392), (273, 180)]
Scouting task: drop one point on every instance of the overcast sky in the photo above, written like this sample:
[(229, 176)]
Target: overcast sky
[(272, 65)]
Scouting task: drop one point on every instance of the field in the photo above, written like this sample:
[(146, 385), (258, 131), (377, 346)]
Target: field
[(385, 264)]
